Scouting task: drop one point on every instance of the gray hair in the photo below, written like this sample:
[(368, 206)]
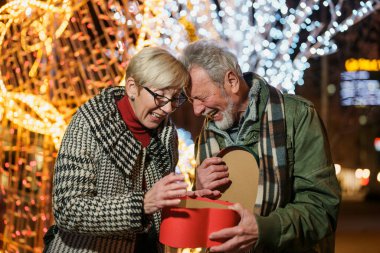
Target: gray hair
[(213, 58)]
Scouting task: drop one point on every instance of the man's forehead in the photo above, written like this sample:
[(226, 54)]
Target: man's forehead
[(202, 88), (200, 80)]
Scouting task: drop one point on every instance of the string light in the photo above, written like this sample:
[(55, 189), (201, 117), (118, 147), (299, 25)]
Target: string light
[(51, 13), (164, 25), (47, 120)]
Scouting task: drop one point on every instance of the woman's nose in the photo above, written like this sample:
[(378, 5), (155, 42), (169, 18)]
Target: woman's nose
[(168, 108)]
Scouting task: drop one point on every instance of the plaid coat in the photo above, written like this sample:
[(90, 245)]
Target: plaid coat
[(98, 181)]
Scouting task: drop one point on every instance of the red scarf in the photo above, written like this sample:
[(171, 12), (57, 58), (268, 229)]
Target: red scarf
[(140, 132)]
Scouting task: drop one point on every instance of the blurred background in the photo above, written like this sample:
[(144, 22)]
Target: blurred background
[(56, 54)]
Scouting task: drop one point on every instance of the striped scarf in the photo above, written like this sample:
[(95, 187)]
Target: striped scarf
[(272, 153)]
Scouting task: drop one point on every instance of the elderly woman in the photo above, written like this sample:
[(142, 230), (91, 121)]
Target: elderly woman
[(114, 170)]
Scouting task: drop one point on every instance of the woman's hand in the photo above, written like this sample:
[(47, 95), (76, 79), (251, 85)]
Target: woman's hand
[(166, 192), (204, 193)]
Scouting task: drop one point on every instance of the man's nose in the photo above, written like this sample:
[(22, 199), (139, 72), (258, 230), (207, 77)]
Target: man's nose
[(198, 108)]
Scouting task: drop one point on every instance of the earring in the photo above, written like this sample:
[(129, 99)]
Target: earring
[(133, 98)]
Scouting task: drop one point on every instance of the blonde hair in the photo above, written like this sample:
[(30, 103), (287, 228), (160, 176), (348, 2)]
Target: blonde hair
[(155, 67)]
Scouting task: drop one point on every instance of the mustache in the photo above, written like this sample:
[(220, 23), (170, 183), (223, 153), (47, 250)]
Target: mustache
[(209, 114)]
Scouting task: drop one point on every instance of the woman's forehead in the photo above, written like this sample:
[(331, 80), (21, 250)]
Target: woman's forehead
[(167, 90)]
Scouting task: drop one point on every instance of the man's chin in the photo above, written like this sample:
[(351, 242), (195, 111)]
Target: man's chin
[(223, 124)]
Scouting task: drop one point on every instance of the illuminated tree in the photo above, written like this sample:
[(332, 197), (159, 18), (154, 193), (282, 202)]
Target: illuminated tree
[(276, 38)]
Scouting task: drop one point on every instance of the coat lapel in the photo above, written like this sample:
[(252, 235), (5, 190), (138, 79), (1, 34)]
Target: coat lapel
[(110, 130), (159, 153)]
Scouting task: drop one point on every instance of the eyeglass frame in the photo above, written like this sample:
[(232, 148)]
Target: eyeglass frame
[(158, 97)]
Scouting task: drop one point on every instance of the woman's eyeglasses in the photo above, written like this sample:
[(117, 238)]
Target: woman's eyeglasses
[(161, 100)]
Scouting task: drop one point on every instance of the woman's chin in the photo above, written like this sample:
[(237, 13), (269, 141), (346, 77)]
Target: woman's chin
[(152, 122)]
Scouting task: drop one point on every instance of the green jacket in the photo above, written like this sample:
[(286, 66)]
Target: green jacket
[(308, 222)]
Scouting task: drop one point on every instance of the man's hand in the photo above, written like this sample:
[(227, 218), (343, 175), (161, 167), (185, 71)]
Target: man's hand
[(166, 192), (240, 238), (212, 174)]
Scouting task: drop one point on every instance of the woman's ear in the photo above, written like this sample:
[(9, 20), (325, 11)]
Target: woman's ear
[(231, 81), (131, 88)]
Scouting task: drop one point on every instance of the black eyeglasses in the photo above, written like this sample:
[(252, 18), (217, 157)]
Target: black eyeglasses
[(161, 100)]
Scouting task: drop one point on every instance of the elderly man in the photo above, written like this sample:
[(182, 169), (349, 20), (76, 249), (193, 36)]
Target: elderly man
[(298, 194)]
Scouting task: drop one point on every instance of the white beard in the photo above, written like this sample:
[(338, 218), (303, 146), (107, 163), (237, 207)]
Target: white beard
[(227, 120)]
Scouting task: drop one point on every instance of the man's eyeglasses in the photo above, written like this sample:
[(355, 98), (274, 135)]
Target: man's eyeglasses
[(161, 100)]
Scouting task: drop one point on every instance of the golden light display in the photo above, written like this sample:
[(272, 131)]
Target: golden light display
[(48, 120), (54, 56)]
